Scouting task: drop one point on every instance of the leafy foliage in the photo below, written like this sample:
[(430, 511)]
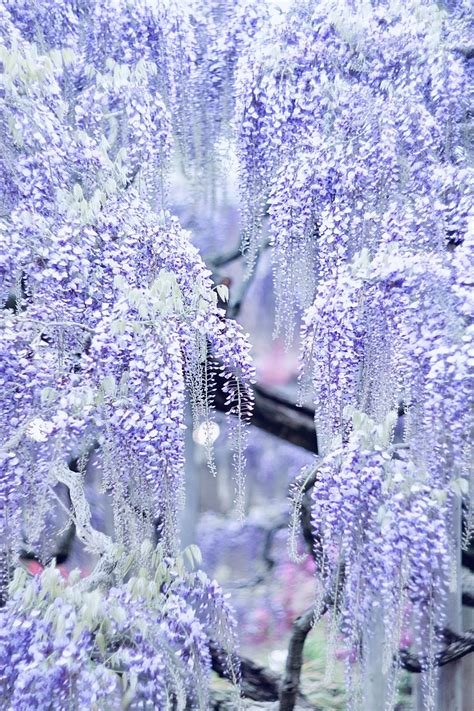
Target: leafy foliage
[(145, 642)]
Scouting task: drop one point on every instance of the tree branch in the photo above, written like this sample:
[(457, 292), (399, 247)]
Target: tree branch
[(257, 682), (261, 684), (291, 679), (278, 416), (467, 599), (221, 260), (94, 540), (237, 300), (457, 647), (467, 559)]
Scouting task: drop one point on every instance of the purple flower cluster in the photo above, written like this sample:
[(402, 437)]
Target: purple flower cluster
[(388, 331), (109, 295), (143, 642), (110, 315), (351, 120), (349, 116)]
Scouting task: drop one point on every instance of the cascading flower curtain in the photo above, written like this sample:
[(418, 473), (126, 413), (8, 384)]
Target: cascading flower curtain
[(352, 136), (109, 319), (349, 120)]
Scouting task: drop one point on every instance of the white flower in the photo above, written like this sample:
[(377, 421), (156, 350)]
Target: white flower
[(39, 429)]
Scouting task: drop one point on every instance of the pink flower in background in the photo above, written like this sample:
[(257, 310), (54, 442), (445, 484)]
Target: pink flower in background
[(35, 568), (406, 639), (261, 622), (277, 366), (296, 590)]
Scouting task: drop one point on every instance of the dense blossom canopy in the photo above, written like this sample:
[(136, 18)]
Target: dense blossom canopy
[(356, 121), (348, 119), (110, 320)]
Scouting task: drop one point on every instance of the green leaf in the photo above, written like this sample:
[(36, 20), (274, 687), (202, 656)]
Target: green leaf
[(223, 292), (101, 643), (193, 555), (108, 386), (48, 396), (118, 327)]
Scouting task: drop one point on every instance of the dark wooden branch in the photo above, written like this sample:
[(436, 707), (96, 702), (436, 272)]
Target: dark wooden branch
[(467, 587), (237, 299), (261, 684), (457, 647), (221, 260), (281, 400), (307, 526), (467, 559), (256, 682), (291, 679), (284, 420), (278, 416), (467, 599)]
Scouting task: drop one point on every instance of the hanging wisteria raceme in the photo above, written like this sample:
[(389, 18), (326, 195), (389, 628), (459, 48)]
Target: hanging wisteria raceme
[(352, 133), (347, 111), (108, 293), (104, 300), (202, 96)]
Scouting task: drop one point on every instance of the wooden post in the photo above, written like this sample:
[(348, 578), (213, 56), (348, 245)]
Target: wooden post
[(468, 664), (450, 692), (375, 682), (450, 678)]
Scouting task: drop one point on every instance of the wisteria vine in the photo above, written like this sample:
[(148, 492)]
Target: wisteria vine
[(351, 133), (350, 122), (109, 321)]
